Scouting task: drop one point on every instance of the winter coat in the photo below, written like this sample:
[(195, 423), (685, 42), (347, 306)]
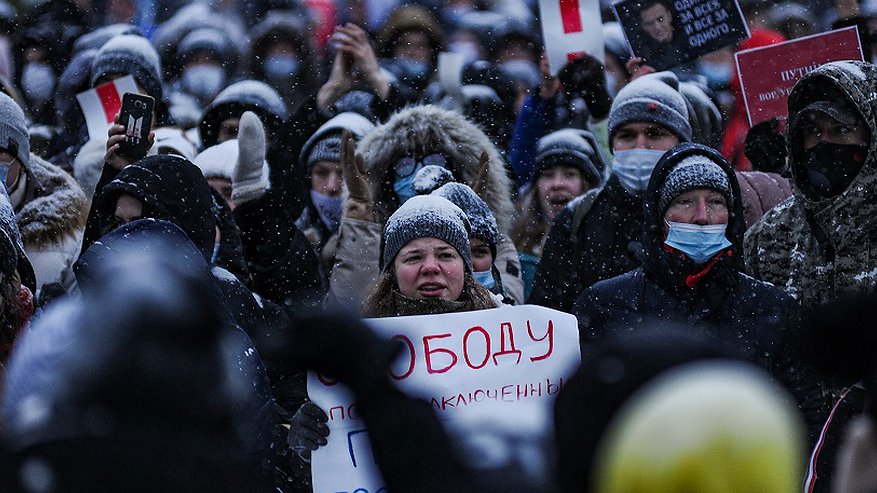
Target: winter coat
[(734, 310), (420, 129), (761, 192), (52, 221), (595, 237), (283, 27), (816, 249)]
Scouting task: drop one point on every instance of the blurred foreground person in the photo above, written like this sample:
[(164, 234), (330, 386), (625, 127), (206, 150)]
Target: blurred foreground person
[(703, 428), (164, 399)]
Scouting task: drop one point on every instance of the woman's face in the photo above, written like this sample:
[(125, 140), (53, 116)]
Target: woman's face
[(326, 178), (429, 268), (482, 257), (556, 186)]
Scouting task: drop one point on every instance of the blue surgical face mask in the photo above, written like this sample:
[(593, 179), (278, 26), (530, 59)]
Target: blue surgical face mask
[(281, 67), (485, 278), (328, 208), (699, 242), (404, 186), (634, 168), (38, 81)]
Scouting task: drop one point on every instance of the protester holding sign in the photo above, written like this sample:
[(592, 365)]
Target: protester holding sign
[(427, 262), (597, 236)]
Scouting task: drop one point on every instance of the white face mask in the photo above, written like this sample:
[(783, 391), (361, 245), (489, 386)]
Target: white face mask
[(204, 81), (38, 82), (634, 168)]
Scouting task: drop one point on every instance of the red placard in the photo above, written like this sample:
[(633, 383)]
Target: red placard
[(768, 74)]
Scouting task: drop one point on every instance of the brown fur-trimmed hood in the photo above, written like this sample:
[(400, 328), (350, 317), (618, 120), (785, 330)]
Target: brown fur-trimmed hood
[(430, 129), (59, 208)]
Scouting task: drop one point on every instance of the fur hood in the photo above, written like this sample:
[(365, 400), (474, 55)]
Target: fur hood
[(58, 210), (430, 129)]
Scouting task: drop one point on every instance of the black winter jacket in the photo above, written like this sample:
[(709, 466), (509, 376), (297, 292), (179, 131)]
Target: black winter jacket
[(604, 243), (750, 317)]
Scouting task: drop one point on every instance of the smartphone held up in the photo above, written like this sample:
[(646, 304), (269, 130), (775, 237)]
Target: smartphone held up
[(136, 116)]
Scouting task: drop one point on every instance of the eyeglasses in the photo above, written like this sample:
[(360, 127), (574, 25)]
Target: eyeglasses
[(408, 165)]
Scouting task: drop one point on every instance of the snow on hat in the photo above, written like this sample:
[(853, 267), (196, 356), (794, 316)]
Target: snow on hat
[(13, 130), (569, 147), (480, 218), (219, 160), (170, 140), (427, 216), (205, 39), (325, 143), (652, 98), (701, 428), (129, 54), (693, 172), (431, 177)]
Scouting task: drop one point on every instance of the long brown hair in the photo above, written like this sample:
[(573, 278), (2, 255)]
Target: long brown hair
[(384, 299)]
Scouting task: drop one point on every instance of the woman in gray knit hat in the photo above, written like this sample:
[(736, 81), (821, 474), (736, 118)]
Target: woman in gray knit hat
[(426, 262)]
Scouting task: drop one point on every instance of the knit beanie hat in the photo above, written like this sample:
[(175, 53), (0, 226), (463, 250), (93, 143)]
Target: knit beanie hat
[(570, 147), (652, 98), (480, 218), (694, 172), (325, 143), (129, 54), (13, 130), (427, 216), (326, 149)]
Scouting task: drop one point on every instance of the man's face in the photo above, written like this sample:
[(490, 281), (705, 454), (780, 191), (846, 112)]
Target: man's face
[(643, 135), (657, 23), (818, 127)]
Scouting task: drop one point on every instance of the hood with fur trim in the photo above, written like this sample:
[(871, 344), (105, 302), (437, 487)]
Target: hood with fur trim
[(58, 210), (427, 129)]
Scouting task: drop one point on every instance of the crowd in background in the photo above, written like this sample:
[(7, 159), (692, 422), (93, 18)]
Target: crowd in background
[(308, 166)]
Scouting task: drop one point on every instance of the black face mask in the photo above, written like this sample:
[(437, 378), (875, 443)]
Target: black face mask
[(828, 169)]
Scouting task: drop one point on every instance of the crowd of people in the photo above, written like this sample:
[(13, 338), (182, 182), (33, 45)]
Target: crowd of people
[(312, 163)]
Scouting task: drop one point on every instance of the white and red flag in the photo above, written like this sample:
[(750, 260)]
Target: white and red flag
[(101, 104), (570, 28)]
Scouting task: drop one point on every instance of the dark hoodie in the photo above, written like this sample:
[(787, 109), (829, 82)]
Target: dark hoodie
[(170, 188), (722, 304), (816, 249)]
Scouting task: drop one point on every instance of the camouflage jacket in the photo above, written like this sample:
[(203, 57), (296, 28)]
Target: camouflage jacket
[(816, 248)]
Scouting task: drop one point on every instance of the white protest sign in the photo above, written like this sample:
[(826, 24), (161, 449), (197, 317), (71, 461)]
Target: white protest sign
[(101, 104), (571, 28), (505, 364)]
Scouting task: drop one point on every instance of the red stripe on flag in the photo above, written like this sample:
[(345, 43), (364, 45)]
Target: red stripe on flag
[(577, 54), (570, 16), (109, 100)]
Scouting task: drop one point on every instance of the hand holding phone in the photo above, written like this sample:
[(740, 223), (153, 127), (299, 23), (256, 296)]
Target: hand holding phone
[(136, 116)]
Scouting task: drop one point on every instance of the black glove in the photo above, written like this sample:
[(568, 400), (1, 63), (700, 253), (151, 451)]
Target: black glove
[(766, 147), (307, 430), (585, 75)]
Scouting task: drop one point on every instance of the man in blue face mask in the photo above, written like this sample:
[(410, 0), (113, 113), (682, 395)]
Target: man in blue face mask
[(597, 236), (690, 277)]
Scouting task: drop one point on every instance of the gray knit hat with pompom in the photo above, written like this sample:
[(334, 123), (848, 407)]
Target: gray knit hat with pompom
[(652, 98), (691, 173)]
